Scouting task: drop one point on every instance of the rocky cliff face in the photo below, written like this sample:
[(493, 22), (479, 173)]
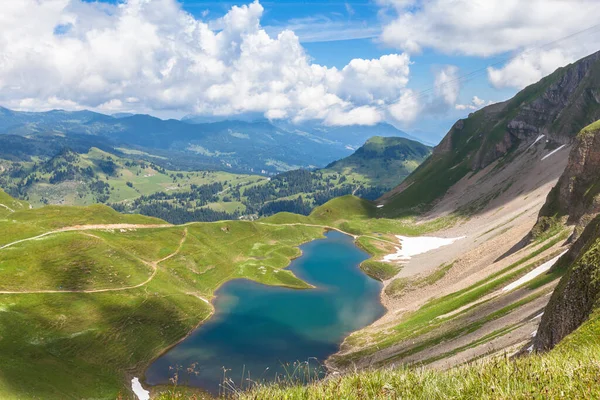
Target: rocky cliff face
[(576, 198), (578, 292)]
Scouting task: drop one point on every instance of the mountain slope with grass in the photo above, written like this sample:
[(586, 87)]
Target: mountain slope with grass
[(384, 160), (552, 111)]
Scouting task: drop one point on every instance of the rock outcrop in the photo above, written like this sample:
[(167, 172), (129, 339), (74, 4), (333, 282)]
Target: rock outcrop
[(578, 292), (575, 200)]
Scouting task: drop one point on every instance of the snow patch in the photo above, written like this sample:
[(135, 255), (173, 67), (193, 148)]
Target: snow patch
[(412, 246), (552, 152), (7, 207), (380, 206), (533, 274), (530, 349), (536, 141), (537, 316), (534, 333), (140, 392)]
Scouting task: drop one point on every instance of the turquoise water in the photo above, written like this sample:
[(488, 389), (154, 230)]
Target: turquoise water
[(258, 330)]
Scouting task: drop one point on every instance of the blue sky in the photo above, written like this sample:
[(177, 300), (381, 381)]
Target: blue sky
[(327, 28), (417, 64)]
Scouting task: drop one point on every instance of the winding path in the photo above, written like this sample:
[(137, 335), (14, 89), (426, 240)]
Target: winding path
[(7, 207), (153, 265), (329, 228), (87, 228)]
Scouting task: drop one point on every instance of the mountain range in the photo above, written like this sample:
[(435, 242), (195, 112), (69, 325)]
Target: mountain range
[(236, 146)]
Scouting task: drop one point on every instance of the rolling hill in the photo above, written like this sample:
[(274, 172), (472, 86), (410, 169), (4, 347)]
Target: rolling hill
[(385, 161)]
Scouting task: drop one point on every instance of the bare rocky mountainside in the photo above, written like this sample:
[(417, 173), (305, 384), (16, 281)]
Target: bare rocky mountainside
[(486, 186)]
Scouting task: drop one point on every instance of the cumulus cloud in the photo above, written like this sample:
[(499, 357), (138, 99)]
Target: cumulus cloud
[(411, 105), (364, 115), (142, 55), (476, 104), (447, 85), (530, 67), (492, 27), (407, 108)]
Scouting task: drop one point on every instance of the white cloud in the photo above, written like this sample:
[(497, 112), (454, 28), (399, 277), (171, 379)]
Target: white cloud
[(406, 109), (476, 104), (530, 67), (447, 85), (364, 115), (324, 28), (492, 27), (150, 56), (382, 79)]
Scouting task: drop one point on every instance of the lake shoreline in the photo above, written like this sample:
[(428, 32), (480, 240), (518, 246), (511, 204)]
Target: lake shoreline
[(357, 270)]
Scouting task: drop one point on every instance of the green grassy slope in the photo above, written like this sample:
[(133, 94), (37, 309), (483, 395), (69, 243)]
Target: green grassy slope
[(79, 343), (82, 309), (385, 161), (121, 179), (570, 371)]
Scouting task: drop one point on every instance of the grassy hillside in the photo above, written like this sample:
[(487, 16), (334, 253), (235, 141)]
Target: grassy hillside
[(385, 160), (90, 296), (83, 308), (570, 371), (97, 176)]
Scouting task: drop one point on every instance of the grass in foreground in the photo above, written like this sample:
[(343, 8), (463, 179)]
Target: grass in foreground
[(570, 371)]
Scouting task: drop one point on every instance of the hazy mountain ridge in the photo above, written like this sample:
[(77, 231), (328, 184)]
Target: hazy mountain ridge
[(238, 146)]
